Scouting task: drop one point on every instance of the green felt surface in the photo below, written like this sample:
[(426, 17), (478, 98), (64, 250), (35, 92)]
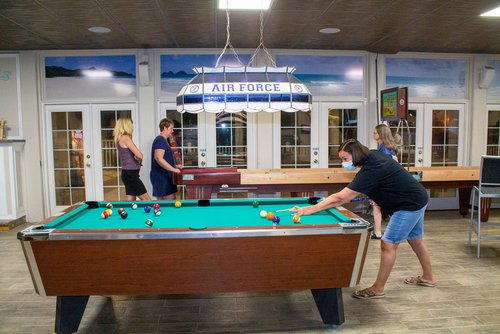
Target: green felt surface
[(220, 213)]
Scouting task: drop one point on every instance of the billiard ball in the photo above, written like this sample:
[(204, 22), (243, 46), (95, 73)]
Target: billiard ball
[(109, 206), (177, 204), (157, 212), (296, 219), (270, 215), (156, 206), (121, 210), (263, 213), (255, 204), (109, 211), (134, 206), (149, 223), (124, 214), (147, 209), (104, 214), (276, 220)]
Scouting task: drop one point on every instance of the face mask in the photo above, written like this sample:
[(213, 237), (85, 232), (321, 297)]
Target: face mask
[(348, 165)]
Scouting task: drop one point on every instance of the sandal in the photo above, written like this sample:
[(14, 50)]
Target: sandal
[(417, 280), (367, 293)]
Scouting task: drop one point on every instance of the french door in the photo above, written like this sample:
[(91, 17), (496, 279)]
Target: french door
[(82, 162), (435, 136)]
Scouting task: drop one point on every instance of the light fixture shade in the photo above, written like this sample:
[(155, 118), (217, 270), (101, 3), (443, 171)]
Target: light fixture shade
[(250, 89)]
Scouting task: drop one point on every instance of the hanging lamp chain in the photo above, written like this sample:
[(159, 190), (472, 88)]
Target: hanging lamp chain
[(228, 42), (261, 44)]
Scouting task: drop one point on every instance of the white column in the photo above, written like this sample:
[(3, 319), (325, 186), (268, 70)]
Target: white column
[(11, 196)]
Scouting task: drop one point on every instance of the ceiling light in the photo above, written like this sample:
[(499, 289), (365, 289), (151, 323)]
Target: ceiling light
[(244, 4), (492, 13), (329, 30), (99, 30)]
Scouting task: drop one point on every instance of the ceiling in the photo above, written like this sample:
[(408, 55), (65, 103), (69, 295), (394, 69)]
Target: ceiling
[(381, 26)]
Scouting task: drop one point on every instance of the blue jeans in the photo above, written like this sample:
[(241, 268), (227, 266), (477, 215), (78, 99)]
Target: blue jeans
[(405, 225)]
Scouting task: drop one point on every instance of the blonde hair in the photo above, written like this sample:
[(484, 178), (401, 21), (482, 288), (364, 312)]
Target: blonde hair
[(124, 126), (386, 137)]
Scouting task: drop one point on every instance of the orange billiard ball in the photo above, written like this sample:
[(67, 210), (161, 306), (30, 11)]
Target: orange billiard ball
[(296, 219), (270, 216)]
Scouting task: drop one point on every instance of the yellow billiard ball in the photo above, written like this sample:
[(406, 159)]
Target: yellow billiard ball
[(296, 219), (177, 204)]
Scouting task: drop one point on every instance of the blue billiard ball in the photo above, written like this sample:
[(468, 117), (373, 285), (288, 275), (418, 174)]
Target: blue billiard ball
[(147, 209), (276, 220)]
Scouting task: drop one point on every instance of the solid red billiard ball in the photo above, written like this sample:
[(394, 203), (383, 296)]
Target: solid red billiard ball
[(156, 206), (124, 214)]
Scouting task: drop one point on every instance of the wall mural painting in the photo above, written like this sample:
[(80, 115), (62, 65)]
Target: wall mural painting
[(327, 75), (90, 76), (427, 78), (177, 70), (494, 89)]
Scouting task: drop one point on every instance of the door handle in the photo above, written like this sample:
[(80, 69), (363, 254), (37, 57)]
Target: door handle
[(88, 164)]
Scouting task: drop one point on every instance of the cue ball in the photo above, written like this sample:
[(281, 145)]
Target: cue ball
[(255, 204), (109, 206), (296, 219), (156, 206), (124, 214), (149, 223), (104, 214), (263, 213), (276, 220), (178, 204), (134, 206), (270, 215), (147, 209)]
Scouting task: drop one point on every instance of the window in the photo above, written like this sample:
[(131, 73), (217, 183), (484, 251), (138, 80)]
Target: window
[(184, 140), (493, 142), (444, 137), (406, 154), (231, 139), (113, 187), (296, 139), (342, 125)]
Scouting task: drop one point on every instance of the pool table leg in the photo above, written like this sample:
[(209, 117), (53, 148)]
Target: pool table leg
[(69, 313), (330, 305)]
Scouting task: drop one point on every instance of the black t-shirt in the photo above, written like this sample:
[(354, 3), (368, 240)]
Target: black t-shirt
[(389, 184)]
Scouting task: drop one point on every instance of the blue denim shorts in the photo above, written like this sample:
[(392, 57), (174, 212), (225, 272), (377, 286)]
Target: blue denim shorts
[(405, 225)]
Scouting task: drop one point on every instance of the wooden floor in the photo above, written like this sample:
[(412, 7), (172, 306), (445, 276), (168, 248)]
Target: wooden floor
[(466, 300)]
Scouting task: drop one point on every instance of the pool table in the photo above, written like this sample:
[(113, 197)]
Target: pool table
[(205, 246)]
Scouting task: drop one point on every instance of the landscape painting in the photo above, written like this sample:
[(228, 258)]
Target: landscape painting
[(427, 78), (90, 76), (327, 75), (177, 69)]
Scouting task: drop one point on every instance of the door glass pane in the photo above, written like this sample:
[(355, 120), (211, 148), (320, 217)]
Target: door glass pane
[(67, 152), (444, 137), (493, 141), (231, 139), (184, 138), (406, 138), (111, 166), (342, 125)]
